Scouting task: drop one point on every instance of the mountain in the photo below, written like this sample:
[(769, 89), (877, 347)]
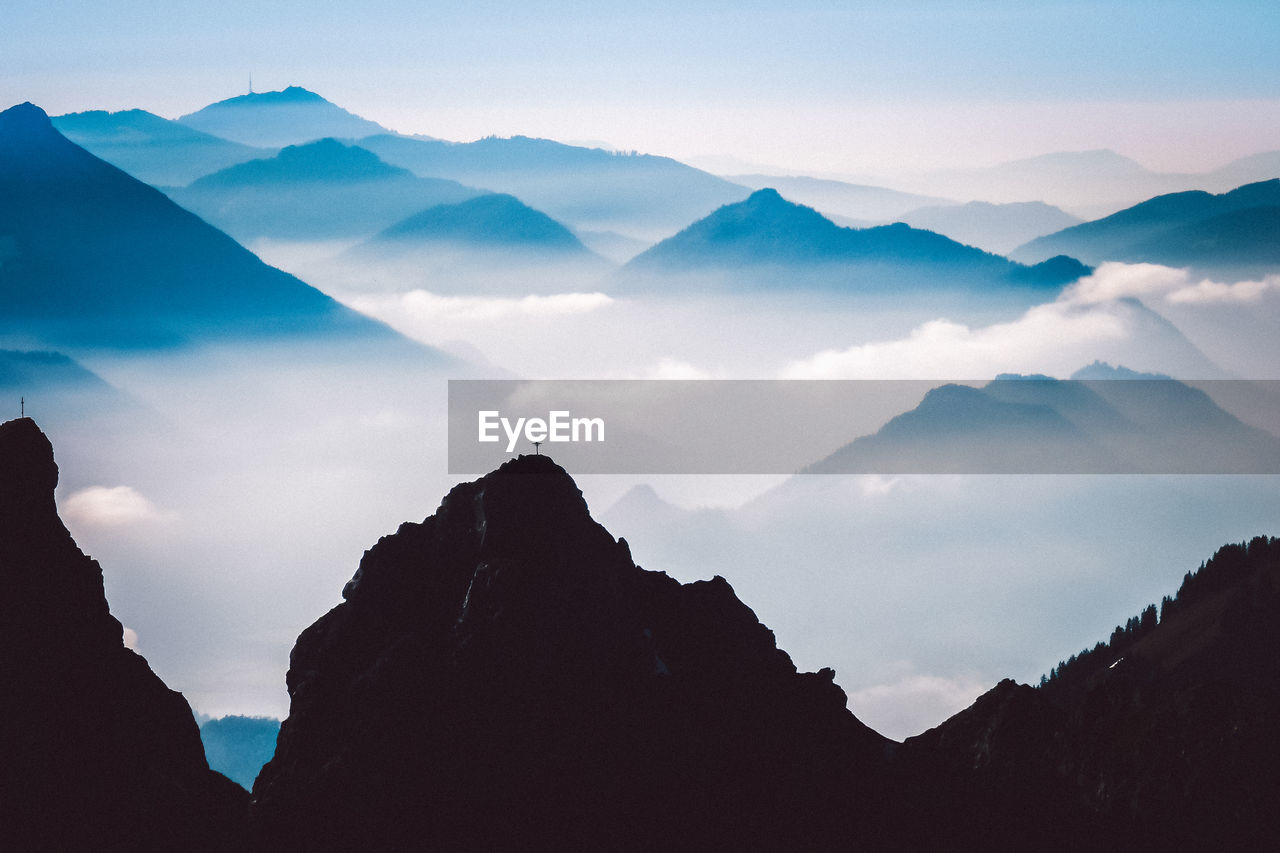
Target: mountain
[(837, 198), (998, 228), (1070, 179), (767, 241), (321, 190), (90, 256), (1247, 170), (489, 244), (1039, 425), (1232, 234), (1163, 736), (238, 746), (99, 753), (155, 150), (503, 676), (636, 195), (276, 119), (494, 221)]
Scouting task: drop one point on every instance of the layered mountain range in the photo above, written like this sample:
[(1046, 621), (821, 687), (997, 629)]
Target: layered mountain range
[(91, 257)]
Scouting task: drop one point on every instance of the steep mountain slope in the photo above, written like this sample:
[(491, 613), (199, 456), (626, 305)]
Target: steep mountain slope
[(98, 752), (320, 190), (276, 119), (502, 676), (1234, 233), (1164, 735), (637, 195), (155, 150), (767, 241), (92, 257)]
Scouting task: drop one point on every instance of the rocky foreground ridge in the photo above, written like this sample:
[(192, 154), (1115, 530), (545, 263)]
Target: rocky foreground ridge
[(502, 676), (96, 753)]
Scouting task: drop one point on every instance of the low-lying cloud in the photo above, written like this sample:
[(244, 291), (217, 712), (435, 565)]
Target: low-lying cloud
[(110, 506), (1104, 316)]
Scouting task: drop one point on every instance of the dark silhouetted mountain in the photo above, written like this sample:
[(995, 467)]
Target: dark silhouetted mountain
[(98, 753), (237, 747), (1035, 424), (998, 228), (320, 190), (502, 676), (639, 196), (276, 119), (90, 256), (1235, 233), (155, 150), (1162, 737), (767, 241), (496, 220), (837, 198)]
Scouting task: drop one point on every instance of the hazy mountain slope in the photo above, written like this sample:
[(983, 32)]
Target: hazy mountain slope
[(92, 257), (155, 150), (321, 190), (1038, 425), (998, 228), (1070, 179), (637, 195), (492, 244), (276, 119), (837, 198)]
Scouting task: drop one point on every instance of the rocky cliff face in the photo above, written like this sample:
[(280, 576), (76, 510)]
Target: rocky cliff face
[(97, 752), (503, 676)]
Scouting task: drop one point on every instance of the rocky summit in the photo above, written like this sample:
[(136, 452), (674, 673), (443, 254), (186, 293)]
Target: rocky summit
[(502, 676)]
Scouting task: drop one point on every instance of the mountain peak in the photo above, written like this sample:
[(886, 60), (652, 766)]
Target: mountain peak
[(28, 474), (25, 122)]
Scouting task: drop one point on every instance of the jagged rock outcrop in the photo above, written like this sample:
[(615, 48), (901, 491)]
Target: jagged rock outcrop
[(96, 753), (502, 676)]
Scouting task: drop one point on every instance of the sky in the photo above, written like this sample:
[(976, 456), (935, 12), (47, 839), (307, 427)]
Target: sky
[(838, 88)]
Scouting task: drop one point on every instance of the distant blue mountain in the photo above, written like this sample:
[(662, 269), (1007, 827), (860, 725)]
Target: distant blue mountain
[(637, 195), (237, 746), (489, 244), (497, 220), (90, 256), (155, 150), (1035, 424), (769, 241), (323, 189), (1235, 233), (276, 119)]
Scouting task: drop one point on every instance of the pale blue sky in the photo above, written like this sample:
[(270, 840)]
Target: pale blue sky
[(824, 85)]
